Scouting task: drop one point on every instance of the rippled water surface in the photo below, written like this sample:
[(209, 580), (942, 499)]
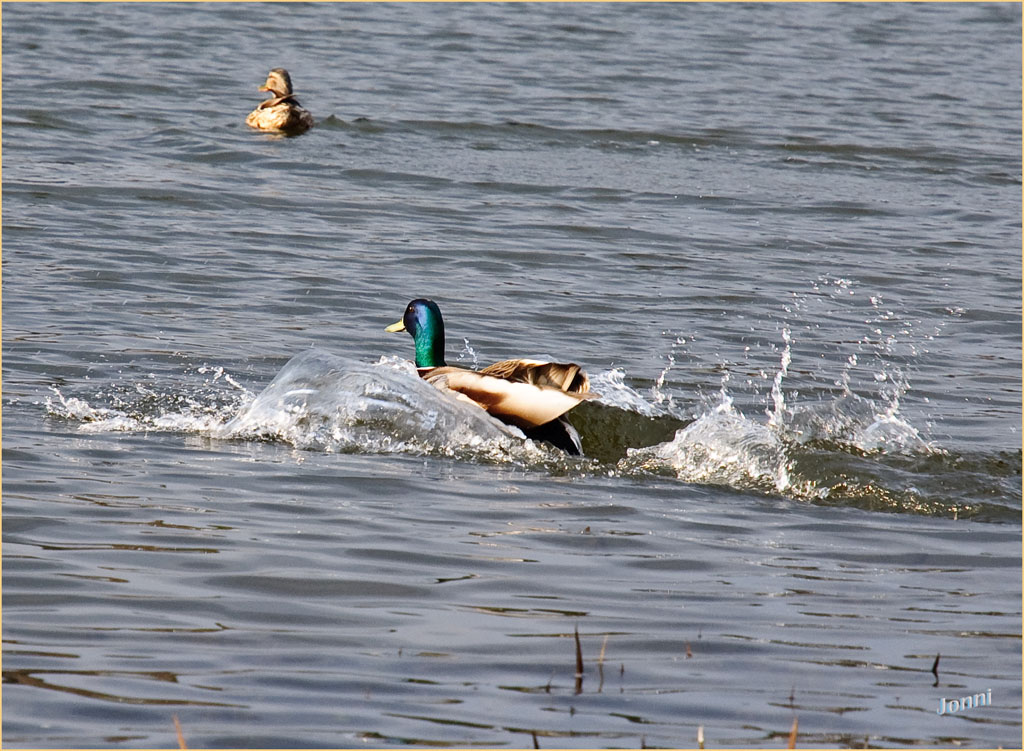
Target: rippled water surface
[(783, 240)]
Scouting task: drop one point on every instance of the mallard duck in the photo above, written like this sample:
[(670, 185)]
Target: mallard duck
[(532, 395), (282, 113)]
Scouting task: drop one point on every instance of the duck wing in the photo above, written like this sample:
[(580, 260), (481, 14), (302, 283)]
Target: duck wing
[(568, 377), (518, 402)]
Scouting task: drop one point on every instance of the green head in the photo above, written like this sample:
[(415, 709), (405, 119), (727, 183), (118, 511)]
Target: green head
[(423, 321)]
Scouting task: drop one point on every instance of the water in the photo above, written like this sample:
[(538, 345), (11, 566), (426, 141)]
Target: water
[(784, 241)]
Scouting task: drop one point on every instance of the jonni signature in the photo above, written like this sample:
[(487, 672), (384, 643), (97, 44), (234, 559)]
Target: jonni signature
[(950, 706)]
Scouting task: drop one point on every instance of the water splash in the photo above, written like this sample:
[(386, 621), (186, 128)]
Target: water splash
[(218, 373), (658, 389), (721, 447), (467, 355), (323, 402), (615, 392), (317, 402), (93, 419), (843, 447), (777, 415), (149, 406)]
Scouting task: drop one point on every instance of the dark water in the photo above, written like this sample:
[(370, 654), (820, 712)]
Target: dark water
[(784, 241)]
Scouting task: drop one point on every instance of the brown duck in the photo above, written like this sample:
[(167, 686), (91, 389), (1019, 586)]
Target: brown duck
[(282, 113)]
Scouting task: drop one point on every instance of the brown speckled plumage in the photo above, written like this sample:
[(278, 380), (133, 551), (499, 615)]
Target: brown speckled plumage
[(282, 113)]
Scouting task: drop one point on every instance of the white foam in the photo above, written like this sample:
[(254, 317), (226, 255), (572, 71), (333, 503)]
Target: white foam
[(613, 390), (720, 447)]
